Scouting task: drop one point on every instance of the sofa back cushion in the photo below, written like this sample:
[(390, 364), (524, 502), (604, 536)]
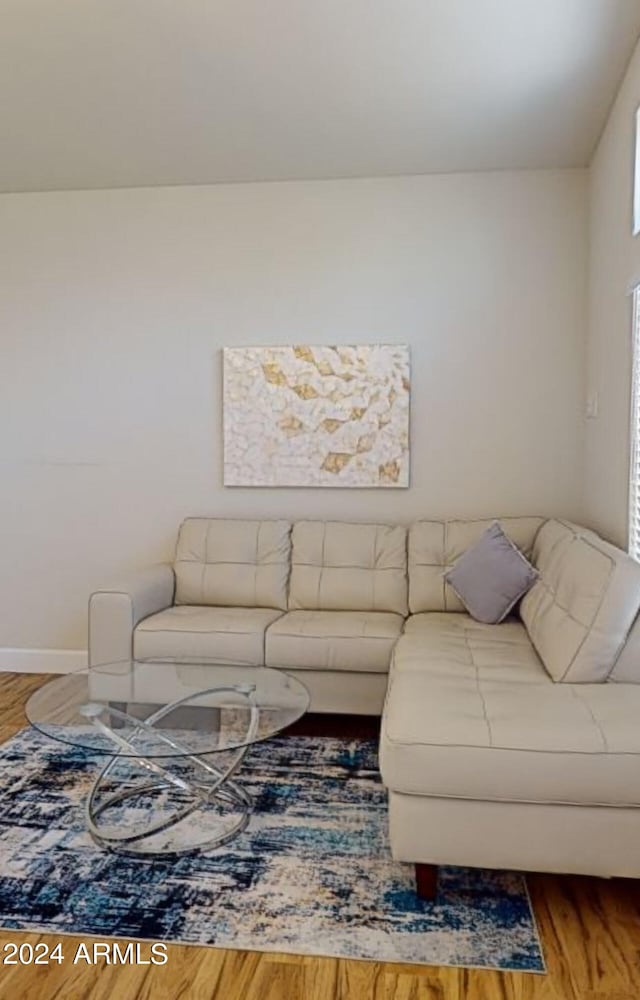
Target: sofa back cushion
[(348, 567), (435, 546), (232, 563), (626, 669), (579, 612)]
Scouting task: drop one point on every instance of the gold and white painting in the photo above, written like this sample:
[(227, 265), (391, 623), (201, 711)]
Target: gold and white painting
[(316, 416)]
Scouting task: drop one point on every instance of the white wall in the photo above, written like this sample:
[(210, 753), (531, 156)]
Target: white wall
[(614, 260), (114, 306)]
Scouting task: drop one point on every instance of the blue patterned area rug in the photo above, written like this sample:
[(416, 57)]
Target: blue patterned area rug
[(312, 873)]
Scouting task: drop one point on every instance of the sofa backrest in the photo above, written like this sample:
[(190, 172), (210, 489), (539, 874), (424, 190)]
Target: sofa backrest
[(338, 566), (626, 669), (580, 610), (434, 546), (233, 563)]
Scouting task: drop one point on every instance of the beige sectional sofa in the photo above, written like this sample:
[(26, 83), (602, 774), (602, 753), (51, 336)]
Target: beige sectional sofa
[(508, 746)]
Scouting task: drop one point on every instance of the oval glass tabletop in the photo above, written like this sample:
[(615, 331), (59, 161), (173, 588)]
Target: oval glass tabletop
[(166, 708)]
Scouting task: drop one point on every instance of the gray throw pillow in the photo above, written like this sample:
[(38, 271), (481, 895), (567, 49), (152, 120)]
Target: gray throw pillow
[(491, 576)]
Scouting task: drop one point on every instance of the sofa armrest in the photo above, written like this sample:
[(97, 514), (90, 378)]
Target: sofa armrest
[(115, 611)]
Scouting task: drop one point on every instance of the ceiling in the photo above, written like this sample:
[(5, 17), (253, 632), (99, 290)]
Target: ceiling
[(111, 93)]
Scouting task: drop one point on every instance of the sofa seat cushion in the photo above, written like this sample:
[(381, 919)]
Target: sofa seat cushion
[(221, 635), (334, 640), (472, 713)]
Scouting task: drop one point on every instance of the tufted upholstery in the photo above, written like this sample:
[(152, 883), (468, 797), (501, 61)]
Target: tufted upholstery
[(472, 713), (348, 567), (626, 669), (233, 563), (579, 612), (434, 546)]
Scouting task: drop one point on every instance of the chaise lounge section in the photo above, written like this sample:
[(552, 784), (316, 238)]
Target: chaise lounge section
[(517, 745)]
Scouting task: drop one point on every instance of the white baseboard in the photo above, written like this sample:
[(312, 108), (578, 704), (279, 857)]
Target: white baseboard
[(42, 661)]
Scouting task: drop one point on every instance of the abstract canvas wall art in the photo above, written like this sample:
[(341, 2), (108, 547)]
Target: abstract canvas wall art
[(316, 416)]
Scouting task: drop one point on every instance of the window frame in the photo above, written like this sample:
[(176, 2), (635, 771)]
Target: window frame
[(635, 222)]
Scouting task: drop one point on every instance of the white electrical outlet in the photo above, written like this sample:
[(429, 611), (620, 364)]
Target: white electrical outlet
[(591, 409)]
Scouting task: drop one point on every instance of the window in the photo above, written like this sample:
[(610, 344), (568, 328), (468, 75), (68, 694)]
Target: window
[(634, 477)]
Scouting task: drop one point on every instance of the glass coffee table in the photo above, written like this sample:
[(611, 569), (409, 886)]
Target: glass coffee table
[(174, 734)]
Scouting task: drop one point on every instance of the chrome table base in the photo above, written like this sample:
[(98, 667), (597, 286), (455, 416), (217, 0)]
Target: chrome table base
[(203, 807)]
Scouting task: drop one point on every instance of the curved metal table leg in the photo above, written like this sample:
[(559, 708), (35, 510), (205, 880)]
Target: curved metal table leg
[(204, 796)]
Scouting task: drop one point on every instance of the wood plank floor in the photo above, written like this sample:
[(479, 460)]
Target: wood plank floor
[(590, 933)]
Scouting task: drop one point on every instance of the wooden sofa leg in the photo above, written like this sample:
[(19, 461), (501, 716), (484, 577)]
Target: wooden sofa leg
[(426, 882)]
